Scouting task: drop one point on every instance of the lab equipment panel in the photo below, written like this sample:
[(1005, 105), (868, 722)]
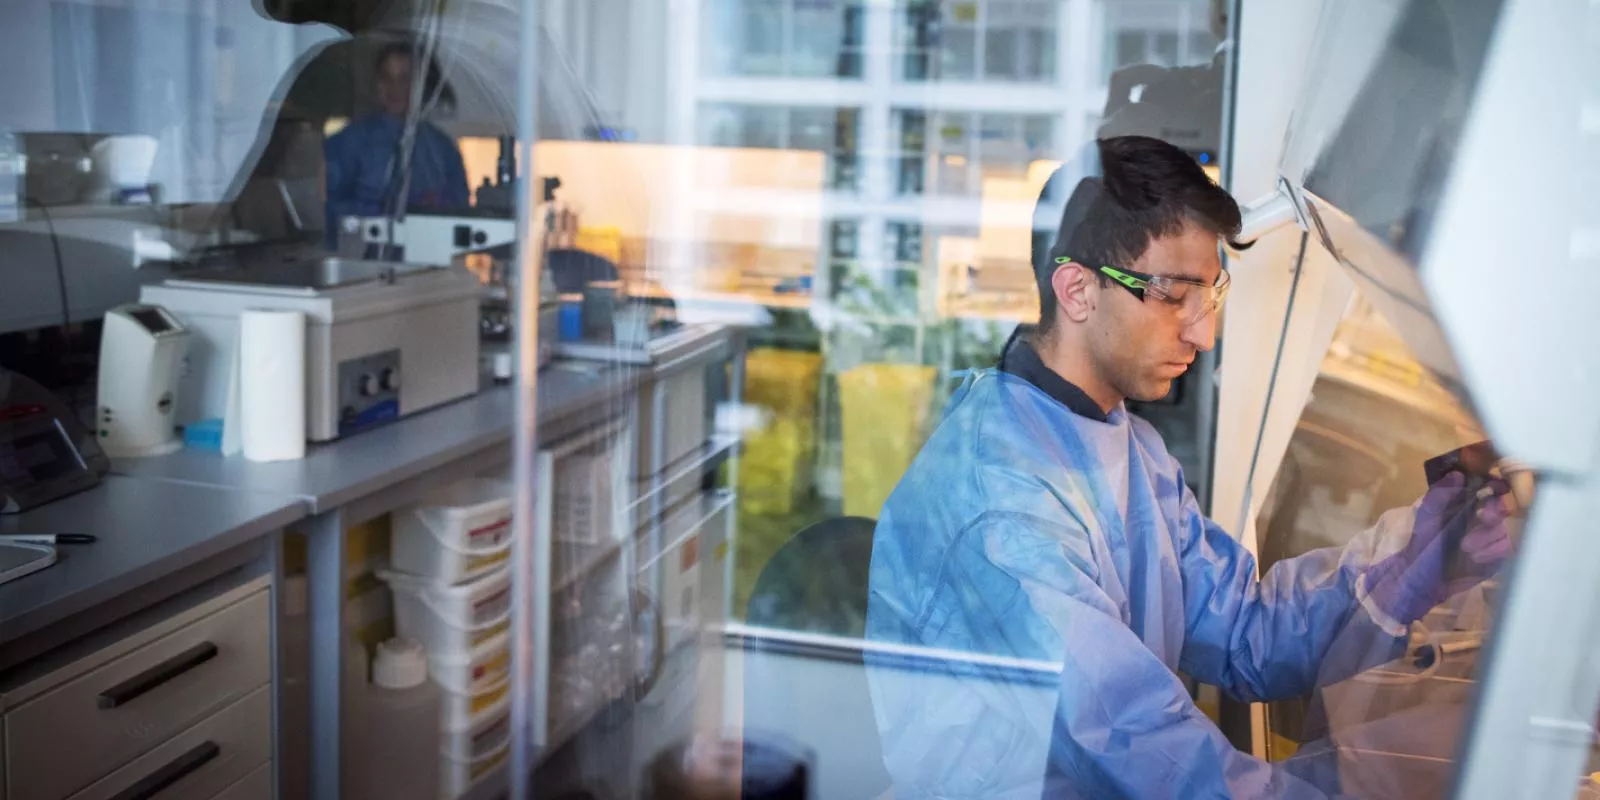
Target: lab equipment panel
[(45, 452), (360, 316), (369, 391)]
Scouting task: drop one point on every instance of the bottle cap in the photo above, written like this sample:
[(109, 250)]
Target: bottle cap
[(400, 664)]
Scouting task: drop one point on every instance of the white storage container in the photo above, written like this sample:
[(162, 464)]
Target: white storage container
[(458, 710), (489, 731), (469, 752), (455, 535), (477, 670), (450, 619), (458, 775), (398, 715)]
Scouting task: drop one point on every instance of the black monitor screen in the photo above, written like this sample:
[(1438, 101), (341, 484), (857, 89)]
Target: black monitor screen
[(36, 457)]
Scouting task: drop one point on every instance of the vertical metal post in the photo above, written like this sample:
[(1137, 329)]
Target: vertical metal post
[(325, 584), (731, 522), (274, 558), (530, 629)]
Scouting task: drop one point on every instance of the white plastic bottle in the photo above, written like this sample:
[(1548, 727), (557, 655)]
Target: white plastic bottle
[(400, 720)]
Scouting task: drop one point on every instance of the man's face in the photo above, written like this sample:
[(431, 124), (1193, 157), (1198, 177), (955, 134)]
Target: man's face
[(1140, 346), (394, 85)]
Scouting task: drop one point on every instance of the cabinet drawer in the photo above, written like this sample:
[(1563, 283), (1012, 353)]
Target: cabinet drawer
[(90, 725), (201, 761), (255, 786)]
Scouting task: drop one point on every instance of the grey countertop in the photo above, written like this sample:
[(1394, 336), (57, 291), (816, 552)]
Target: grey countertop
[(146, 530), (336, 473), (156, 516)]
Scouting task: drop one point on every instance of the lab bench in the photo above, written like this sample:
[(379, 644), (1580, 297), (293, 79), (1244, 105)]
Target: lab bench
[(174, 528)]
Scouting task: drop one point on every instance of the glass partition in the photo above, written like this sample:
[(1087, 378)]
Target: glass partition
[(821, 218), (801, 398), (1362, 459)]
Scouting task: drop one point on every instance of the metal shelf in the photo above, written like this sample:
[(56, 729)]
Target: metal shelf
[(710, 455), (591, 558), (686, 521)]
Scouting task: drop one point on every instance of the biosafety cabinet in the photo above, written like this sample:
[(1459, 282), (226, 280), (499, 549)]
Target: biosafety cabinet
[(1425, 250)]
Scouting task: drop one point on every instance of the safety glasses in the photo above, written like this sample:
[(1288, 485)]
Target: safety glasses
[(1191, 300)]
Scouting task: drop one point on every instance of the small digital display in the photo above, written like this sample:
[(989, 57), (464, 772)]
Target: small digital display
[(37, 457), (153, 321)]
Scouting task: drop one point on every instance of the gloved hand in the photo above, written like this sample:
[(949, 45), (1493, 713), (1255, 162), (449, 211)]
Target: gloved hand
[(1457, 541)]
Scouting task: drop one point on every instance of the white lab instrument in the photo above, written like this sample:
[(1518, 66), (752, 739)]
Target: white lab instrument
[(436, 239), (382, 340), (142, 348)]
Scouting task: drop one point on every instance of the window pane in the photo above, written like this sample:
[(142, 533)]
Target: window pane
[(1131, 48), (1038, 136), (958, 53), (1166, 49), (759, 48), (1039, 55), (1000, 54), (813, 128), (721, 126), (819, 34)]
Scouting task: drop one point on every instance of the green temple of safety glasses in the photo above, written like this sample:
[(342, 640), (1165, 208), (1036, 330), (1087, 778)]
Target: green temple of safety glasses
[(1194, 299)]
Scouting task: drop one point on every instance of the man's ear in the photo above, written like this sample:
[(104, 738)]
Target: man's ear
[(1075, 291)]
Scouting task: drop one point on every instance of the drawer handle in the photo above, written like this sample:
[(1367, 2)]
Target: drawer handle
[(130, 689), (176, 770)]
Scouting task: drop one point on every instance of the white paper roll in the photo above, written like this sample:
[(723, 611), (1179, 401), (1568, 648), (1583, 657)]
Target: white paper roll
[(272, 385)]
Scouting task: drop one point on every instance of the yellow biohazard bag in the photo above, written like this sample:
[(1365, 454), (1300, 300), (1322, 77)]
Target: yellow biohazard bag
[(885, 409)]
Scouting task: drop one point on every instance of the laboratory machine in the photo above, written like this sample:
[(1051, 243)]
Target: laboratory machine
[(1419, 242), (142, 348), (383, 340), (46, 452)]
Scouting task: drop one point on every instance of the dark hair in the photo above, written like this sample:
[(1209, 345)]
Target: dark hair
[(1148, 189), (392, 49)]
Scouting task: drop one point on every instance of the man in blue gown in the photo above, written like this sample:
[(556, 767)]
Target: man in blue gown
[(1041, 522), (363, 176)]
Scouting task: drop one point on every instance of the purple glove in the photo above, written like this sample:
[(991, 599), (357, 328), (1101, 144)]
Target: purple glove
[(1457, 541)]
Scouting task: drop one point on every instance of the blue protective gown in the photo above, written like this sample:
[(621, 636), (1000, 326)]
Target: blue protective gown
[(360, 177), (1025, 531)]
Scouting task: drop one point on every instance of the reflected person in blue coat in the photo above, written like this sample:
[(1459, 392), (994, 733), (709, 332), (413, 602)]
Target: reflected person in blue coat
[(1041, 522), (362, 173)]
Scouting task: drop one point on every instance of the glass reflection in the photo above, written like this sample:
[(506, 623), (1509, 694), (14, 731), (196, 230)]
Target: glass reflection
[(1379, 432), (771, 255)]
